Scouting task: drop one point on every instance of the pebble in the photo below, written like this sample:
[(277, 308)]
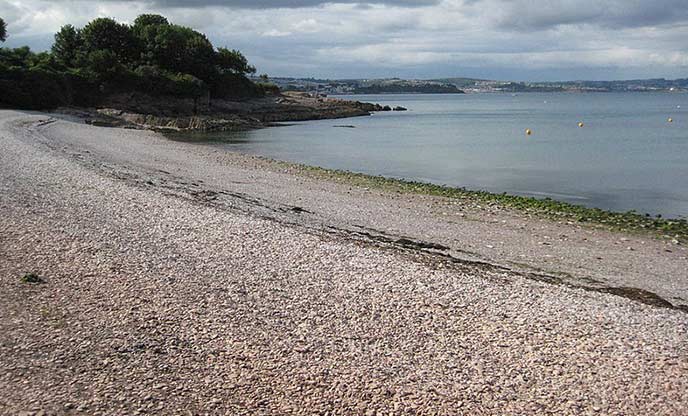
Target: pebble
[(213, 303)]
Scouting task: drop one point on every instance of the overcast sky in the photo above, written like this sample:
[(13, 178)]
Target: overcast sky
[(496, 39)]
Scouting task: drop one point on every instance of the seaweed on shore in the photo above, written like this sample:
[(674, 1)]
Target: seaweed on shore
[(32, 278), (675, 230)]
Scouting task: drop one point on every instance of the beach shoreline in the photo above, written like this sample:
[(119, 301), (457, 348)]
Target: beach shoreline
[(214, 282), (674, 230), (323, 193)]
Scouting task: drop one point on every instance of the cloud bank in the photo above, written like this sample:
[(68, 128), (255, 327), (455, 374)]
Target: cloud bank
[(507, 39)]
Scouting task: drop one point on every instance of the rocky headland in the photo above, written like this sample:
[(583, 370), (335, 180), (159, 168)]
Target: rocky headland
[(141, 111)]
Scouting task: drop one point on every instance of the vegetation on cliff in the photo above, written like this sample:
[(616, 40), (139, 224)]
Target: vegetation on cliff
[(152, 56)]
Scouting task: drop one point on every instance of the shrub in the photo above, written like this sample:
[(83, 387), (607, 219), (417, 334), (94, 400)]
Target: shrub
[(104, 63), (38, 89), (269, 88), (32, 89), (235, 86), (152, 80)]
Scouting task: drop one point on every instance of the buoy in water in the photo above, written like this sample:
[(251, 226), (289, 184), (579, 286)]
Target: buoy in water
[(529, 132), (580, 124), (670, 120)]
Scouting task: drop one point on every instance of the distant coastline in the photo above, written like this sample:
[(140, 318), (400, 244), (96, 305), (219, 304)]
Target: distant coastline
[(471, 85)]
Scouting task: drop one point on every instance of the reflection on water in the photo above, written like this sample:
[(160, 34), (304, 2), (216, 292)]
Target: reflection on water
[(626, 157)]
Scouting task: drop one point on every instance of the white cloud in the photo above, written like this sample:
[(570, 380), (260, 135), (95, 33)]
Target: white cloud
[(307, 26), (274, 33)]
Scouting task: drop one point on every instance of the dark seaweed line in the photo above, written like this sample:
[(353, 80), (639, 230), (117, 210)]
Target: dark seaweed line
[(629, 221)]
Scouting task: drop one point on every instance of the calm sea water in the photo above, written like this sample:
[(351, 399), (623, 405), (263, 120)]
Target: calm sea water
[(626, 157)]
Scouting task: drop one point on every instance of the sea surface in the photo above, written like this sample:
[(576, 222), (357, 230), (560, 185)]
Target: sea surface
[(627, 156)]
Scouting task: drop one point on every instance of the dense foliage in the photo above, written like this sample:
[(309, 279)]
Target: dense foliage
[(151, 56), (3, 30)]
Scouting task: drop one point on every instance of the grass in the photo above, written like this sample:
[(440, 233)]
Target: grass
[(673, 229)]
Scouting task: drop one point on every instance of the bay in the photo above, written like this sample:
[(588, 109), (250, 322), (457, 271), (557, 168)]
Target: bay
[(627, 156)]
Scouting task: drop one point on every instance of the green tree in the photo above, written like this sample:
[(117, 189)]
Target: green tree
[(106, 34), (183, 50), (42, 60), (68, 45), (104, 63), (233, 61), (17, 57), (151, 56), (146, 20), (3, 30), (145, 29)]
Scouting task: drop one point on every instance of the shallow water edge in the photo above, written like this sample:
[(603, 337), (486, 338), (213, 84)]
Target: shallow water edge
[(675, 230)]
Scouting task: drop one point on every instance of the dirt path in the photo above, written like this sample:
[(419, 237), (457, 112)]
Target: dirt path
[(181, 279)]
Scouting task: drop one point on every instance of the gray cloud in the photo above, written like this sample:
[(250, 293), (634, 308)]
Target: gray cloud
[(509, 39), (276, 4), (531, 15)]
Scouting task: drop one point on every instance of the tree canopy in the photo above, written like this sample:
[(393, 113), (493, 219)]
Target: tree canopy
[(3, 30), (146, 20), (152, 55), (105, 34), (68, 44), (153, 41), (180, 49), (233, 61)]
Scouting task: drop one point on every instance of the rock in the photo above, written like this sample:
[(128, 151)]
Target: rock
[(370, 106), (400, 108), (139, 111)]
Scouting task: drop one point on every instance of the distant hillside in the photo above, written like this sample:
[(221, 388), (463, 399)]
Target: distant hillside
[(656, 84), (481, 85), (366, 86), (408, 87), (458, 85), (461, 82)]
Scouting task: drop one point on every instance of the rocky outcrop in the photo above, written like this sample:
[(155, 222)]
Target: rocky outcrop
[(372, 107), (136, 110), (199, 122)]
